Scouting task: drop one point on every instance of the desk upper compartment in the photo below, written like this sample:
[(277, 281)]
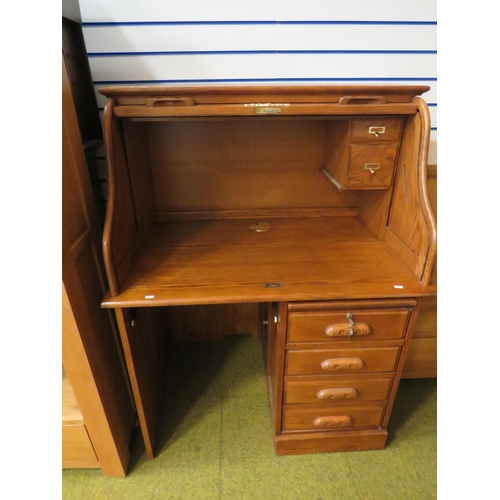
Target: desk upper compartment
[(182, 160)]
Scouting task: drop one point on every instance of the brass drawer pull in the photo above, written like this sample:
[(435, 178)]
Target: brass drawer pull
[(333, 421), (376, 131), (372, 167), (342, 393), (338, 364)]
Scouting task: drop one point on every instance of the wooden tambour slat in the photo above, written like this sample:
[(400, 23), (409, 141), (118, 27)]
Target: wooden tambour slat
[(151, 102), (241, 93), (272, 110)]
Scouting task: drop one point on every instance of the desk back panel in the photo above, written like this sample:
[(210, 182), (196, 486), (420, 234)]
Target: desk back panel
[(220, 165)]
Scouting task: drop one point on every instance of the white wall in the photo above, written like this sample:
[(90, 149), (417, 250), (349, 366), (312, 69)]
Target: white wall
[(263, 42)]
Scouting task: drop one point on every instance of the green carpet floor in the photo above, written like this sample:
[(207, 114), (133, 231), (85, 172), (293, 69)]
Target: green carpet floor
[(216, 443)]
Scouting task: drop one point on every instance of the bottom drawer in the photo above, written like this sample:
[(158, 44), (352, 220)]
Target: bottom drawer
[(334, 389), (76, 446), (312, 417)]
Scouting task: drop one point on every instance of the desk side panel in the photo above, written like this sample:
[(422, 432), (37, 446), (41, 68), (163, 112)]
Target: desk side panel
[(144, 338), (410, 232), (121, 234)]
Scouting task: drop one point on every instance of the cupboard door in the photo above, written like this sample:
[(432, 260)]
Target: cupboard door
[(144, 337), (90, 346)]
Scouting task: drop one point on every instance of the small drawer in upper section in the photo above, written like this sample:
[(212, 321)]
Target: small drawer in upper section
[(376, 130), (326, 326), (371, 165), (362, 153)]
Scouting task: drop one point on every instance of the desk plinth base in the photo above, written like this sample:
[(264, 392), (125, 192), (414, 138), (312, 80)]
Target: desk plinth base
[(326, 442)]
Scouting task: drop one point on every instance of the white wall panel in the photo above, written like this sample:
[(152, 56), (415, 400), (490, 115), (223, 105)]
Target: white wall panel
[(157, 38), (193, 37), (183, 67), (219, 10), (356, 66), (433, 113), (223, 66), (357, 37)]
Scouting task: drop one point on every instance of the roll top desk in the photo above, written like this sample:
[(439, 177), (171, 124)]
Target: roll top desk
[(309, 201)]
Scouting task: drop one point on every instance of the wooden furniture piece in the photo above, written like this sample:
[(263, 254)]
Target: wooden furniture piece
[(98, 413), (421, 360), (309, 201)]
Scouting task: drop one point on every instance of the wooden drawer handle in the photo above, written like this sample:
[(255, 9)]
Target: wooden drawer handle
[(366, 99), (344, 329), (341, 393), (333, 421), (343, 364), (169, 101)]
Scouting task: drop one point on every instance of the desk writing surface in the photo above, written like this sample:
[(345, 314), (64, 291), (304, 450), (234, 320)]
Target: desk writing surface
[(223, 261)]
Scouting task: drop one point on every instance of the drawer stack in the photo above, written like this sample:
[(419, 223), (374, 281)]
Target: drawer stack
[(341, 364), (369, 160)]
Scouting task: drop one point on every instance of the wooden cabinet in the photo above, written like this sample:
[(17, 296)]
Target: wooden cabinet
[(341, 369), (98, 413), (77, 448), (309, 202), (421, 361)]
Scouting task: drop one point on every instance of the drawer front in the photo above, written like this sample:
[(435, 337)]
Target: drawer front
[(343, 361), (371, 165), (76, 445), (311, 417), (376, 130), (336, 389), (334, 326)]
